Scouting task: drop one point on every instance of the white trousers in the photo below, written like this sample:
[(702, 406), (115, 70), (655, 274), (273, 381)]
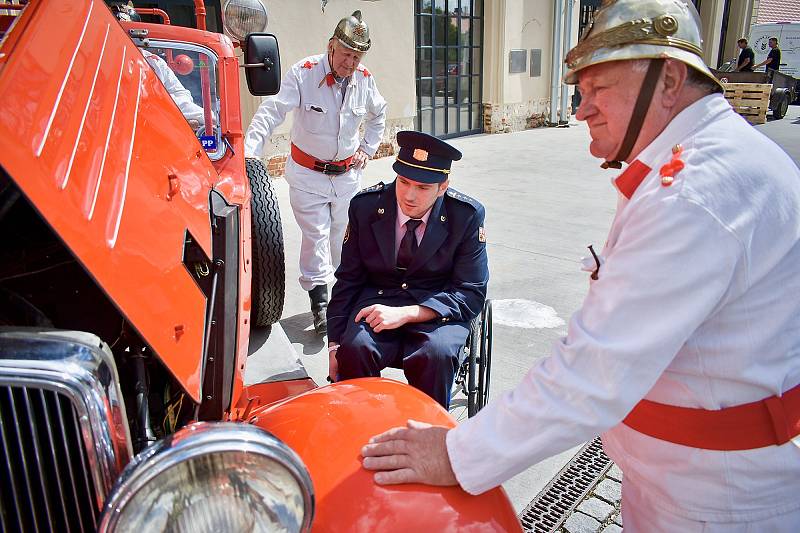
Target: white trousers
[(322, 219), (639, 515)]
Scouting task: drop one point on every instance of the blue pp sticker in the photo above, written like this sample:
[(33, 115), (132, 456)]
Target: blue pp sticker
[(209, 143)]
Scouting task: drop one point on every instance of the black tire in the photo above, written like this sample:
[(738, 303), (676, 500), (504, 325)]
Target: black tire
[(781, 108), (269, 266)]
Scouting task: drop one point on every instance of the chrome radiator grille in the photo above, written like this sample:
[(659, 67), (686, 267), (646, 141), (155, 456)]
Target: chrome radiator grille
[(45, 481), (63, 430)]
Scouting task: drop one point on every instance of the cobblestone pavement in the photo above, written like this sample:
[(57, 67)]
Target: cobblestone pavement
[(599, 512)]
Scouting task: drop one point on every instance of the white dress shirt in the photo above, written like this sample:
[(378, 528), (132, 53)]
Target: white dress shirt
[(697, 305)]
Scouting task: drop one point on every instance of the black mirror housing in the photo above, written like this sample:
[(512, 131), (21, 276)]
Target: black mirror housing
[(262, 64)]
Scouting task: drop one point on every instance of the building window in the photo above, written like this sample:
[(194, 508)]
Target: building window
[(449, 53)]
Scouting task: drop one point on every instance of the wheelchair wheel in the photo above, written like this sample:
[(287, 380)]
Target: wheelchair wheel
[(485, 363), (479, 360)]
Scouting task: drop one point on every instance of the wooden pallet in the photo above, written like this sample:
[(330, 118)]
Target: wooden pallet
[(751, 100)]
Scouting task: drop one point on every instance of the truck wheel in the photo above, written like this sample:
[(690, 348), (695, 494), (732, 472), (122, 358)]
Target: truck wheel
[(269, 267), (783, 106)]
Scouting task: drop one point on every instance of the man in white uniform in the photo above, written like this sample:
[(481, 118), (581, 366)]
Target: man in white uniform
[(331, 94), (685, 355)]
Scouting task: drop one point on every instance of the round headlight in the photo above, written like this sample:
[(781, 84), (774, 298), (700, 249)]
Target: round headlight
[(211, 477), (241, 17)]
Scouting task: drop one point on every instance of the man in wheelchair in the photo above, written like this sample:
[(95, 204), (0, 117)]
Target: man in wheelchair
[(413, 273)]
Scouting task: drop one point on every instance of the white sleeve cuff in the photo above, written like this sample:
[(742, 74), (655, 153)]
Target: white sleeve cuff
[(455, 447)]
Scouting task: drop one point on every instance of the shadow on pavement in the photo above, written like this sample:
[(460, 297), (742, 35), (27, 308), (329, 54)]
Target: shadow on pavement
[(300, 331), (258, 336)]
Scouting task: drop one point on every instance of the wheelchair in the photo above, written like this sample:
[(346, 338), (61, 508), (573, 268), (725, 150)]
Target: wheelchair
[(475, 362)]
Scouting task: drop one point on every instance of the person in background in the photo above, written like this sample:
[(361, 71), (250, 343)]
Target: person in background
[(746, 57), (180, 95), (331, 95), (773, 60)]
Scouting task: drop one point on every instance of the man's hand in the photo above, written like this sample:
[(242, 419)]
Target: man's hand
[(413, 454), (381, 317), (360, 159), (333, 364)]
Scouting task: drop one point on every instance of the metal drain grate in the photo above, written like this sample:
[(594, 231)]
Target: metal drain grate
[(553, 505)]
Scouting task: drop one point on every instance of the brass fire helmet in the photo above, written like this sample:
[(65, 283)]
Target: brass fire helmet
[(353, 32), (640, 29)]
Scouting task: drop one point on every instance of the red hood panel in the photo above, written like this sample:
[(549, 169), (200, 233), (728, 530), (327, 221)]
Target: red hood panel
[(91, 137)]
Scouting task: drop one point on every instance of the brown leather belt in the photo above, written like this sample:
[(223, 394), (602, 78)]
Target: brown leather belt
[(333, 168), (772, 421)]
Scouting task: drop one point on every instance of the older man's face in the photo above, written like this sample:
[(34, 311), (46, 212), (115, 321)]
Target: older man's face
[(344, 61), (608, 94)]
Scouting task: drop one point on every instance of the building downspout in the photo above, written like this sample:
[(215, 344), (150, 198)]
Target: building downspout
[(555, 70), (564, 114)]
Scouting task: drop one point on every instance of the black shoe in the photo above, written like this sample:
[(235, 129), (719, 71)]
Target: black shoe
[(319, 305), (320, 322)]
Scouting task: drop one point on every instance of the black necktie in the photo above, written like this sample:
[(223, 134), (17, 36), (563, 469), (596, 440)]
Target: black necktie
[(408, 246)]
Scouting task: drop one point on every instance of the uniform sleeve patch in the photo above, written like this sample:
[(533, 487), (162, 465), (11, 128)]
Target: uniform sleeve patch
[(309, 64), (481, 234)]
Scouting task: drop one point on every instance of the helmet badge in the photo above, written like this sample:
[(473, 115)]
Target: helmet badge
[(665, 25)]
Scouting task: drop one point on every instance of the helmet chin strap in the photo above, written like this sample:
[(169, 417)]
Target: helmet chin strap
[(639, 113), (330, 60)]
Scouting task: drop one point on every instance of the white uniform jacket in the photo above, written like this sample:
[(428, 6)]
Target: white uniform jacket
[(326, 123), (697, 305), (180, 95)]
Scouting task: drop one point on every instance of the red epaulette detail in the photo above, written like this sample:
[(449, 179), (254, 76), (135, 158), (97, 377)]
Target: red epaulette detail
[(669, 170), (364, 71), (309, 64)]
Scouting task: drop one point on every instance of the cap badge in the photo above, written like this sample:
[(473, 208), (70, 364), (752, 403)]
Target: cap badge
[(420, 154)]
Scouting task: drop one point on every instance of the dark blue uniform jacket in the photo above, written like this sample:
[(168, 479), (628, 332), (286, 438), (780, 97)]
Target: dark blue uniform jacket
[(449, 272)]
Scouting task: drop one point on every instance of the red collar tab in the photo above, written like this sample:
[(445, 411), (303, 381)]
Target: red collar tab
[(629, 181), (330, 79), (364, 71)]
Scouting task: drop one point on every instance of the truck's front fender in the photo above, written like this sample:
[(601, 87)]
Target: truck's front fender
[(328, 426)]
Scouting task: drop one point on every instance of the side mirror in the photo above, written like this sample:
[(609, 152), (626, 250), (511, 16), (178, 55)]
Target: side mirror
[(262, 64)]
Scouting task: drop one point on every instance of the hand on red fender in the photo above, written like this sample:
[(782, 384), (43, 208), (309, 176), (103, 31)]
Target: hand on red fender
[(413, 454)]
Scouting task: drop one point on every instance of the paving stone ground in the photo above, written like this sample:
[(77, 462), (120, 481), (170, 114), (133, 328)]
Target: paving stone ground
[(599, 511)]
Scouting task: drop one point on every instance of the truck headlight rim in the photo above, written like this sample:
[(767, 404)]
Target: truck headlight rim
[(243, 17), (199, 441)]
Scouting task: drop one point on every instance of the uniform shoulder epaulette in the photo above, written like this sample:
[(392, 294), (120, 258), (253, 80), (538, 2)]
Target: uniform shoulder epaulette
[(461, 197), (364, 71), (309, 64), (375, 188)]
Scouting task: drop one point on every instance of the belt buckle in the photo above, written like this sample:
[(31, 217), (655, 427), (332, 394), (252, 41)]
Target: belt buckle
[(331, 169)]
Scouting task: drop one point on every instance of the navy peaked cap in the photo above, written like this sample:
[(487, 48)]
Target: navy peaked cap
[(424, 158)]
